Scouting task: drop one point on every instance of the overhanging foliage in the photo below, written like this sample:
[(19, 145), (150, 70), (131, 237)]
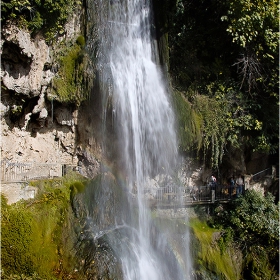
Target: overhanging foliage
[(226, 53)]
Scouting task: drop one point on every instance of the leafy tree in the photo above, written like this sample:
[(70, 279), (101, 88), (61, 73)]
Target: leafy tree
[(254, 27), (254, 24), (253, 220), (197, 42), (227, 50)]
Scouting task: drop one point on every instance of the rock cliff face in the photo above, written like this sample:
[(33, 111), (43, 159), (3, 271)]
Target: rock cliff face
[(23, 62), (36, 128)]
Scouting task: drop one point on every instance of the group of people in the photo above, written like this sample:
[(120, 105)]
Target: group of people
[(237, 184)]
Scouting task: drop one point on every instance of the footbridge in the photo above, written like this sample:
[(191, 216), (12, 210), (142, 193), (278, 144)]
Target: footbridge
[(181, 197), (170, 196)]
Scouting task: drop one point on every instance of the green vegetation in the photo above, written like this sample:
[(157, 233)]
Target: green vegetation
[(224, 61), (37, 235), (71, 83), (252, 222), (72, 80), (210, 122), (224, 264), (189, 124), (240, 240), (16, 240), (48, 16)]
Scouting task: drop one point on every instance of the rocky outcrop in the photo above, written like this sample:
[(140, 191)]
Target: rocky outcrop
[(25, 110), (23, 62), (35, 126)]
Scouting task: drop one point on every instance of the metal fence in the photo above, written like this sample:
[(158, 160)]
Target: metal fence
[(20, 172), (183, 195)]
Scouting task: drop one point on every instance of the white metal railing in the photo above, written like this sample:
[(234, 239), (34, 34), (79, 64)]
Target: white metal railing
[(182, 195), (19, 172)]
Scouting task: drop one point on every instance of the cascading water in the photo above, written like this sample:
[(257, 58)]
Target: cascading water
[(144, 139)]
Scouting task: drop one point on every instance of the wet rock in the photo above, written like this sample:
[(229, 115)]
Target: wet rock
[(64, 116)]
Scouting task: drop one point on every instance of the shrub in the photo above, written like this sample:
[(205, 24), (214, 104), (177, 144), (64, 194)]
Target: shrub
[(16, 239), (49, 16), (81, 41), (254, 221), (34, 238)]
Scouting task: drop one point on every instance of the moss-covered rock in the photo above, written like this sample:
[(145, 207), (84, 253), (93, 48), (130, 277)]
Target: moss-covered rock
[(71, 84), (189, 124), (209, 258)]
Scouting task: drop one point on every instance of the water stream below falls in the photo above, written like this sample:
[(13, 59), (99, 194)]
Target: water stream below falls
[(141, 140)]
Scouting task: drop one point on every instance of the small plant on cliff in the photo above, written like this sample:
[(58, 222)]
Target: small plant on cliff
[(71, 82)]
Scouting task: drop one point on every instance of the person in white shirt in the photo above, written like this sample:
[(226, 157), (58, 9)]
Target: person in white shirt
[(239, 185)]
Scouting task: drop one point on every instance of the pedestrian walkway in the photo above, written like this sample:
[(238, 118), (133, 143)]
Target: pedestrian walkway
[(189, 196)]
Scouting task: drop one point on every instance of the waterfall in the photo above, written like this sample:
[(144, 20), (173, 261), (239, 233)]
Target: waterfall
[(139, 127)]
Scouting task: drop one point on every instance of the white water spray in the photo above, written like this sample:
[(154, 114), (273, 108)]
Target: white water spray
[(144, 123)]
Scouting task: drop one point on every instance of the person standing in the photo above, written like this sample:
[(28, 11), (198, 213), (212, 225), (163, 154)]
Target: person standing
[(231, 186), (213, 185), (239, 185), (213, 181)]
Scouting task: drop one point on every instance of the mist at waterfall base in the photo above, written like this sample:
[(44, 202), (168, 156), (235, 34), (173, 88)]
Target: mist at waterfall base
[(140, 142)]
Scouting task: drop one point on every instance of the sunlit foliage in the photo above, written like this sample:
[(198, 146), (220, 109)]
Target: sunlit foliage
[(49, 15), (253, 221), (209, 122)]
